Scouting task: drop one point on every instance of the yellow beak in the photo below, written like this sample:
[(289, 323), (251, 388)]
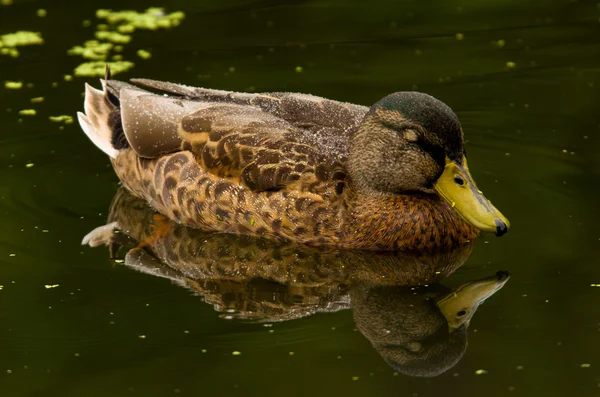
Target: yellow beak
[(457, 187), (459, 306)]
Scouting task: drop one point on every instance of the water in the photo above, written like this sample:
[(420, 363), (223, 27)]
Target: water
[(529, 111)]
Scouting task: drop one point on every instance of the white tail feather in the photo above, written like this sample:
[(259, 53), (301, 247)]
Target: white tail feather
[(95, 120), (91, 132)]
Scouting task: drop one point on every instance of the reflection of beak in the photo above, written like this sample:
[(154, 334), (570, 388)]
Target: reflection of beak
[(459, 306), (457, 187)]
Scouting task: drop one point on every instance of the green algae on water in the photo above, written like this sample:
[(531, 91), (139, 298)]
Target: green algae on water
[(27, 112), (97, 68), (63, 118), (93, 50), (10, 41), (114, 37), (110, 37), (152, 19), (21, 38), (13, 85), (144, 54)]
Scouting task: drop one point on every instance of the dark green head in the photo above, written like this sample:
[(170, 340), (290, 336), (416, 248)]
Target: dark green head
[(403, 143), (440, 128)]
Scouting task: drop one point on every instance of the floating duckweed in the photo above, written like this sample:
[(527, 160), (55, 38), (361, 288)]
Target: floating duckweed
[(6, 2), (585, 365), (68, 77), (13, 85), (460, 36), (116, 32), (113, 37), (41, 13), (62, 119), (97, 68), (27, 112), (151, 19), (236, 353), (38, 99), (21, 38), (511, 65), (12, 52), (126, 29), (500, 43), (298, 69), (92, 50), (355, 378), (54, 84), (87, 23), (49, 286), (144, 54), (481, 372)]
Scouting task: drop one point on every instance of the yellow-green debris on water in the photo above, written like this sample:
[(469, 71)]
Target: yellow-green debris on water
[(92, 50), (152, 19), (97, 68), (62, 119), (27, 112), (13, 85), (144, 54), (113, 37), (110, 37), (10, 41)]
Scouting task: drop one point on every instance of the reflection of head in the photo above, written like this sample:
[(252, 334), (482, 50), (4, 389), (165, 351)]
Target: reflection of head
[(406, 327)]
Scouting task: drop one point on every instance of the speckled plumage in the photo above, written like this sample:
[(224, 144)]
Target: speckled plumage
[(272, 165)]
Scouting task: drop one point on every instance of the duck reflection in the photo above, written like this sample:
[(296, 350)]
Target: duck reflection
[(416, 324)]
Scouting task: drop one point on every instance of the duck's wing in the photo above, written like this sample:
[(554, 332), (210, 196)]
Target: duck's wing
[(239, 142), (301, 110)]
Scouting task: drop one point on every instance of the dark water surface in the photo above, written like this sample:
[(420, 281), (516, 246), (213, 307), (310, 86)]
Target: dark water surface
[(74, 322)]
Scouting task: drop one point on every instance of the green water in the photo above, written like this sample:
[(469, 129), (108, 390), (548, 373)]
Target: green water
[(529, 109)]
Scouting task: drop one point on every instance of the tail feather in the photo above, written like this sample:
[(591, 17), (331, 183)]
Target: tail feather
[(96, 122)]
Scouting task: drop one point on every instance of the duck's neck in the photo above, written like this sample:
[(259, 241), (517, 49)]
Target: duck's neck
[(410, 222)]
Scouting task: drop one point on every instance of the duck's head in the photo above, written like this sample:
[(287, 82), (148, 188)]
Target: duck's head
[(410, 142)]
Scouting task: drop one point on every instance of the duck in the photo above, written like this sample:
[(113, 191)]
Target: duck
[(294, 167), (399, 302)]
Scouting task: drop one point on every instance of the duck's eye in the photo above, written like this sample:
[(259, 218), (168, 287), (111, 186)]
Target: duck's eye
[(461, 313), (459, 180)]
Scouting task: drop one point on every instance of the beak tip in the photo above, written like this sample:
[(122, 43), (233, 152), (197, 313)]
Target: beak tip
[(501, 227), (502, 276)]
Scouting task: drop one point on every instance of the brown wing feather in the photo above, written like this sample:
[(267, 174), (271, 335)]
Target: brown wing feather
[(257, 149), (263, 142), (301, 110)]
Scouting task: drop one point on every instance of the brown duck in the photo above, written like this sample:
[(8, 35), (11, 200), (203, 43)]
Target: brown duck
[(292, 166)]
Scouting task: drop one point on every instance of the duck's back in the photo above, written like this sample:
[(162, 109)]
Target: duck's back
[(266, 164)]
